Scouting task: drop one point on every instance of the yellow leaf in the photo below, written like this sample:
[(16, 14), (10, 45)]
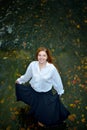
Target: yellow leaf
[(83, 120), (82, 115), (2, 101), (78, 26), (85, 21), (78, 107), (68, 83), (5, 58), (86, 107), (73, 105), (18, 74), (11, 108), (78, 40), (16, 112), (85, 67), (79, 67), (72, 117), (8, 128), (9, 87)]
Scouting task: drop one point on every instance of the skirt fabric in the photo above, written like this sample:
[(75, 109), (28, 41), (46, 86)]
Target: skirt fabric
[(45, 106)]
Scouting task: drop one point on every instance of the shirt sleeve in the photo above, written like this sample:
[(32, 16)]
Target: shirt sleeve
[(27, 76), (57, 82)]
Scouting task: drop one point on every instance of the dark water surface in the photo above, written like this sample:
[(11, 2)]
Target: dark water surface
[(58, 25)]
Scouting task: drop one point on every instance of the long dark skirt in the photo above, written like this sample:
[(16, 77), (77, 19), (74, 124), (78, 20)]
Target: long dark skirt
[(46, 106)]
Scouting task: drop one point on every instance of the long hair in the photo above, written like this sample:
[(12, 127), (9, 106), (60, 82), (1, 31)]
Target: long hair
[(48, 52)]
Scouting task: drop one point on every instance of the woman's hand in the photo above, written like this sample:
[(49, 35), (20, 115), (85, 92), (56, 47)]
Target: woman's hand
[(16, 82)]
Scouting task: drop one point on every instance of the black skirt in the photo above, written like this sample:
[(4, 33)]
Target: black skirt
[(46, 106)]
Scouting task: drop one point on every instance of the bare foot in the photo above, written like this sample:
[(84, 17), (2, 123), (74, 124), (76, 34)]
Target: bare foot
[(41, 124)]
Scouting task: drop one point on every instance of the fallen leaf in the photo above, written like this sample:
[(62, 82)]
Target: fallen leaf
[(83, 120), (16, 112), (2, 101), (72, 117), (22, 128), (8, 128), (78, 26), (72, 105), (77, 101), (9, 87)]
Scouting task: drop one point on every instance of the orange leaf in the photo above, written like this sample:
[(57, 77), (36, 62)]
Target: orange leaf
[(77, 101), (83, 120), (22, 128), (8, 128), (72, 117)]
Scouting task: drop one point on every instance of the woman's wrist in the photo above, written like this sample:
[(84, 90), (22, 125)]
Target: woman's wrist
[(17, 81)]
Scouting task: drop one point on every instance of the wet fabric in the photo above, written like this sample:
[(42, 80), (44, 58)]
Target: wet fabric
[(45, 106)]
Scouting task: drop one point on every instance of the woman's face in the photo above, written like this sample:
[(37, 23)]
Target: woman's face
[(42, 57)]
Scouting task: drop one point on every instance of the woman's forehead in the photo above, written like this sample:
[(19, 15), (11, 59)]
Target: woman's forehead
[(42, 52)]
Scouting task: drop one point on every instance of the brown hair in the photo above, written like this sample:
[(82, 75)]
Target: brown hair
[(50, 58)]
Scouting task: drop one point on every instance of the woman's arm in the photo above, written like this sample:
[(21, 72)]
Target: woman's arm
[(57, 82), (26, 77)]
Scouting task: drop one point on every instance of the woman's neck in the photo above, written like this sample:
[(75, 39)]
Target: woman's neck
[(41, 66)]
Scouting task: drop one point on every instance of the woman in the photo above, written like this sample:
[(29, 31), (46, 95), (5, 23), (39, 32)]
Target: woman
[(42, 76)]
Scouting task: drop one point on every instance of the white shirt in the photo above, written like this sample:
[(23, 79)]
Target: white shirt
[(42, 80)]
